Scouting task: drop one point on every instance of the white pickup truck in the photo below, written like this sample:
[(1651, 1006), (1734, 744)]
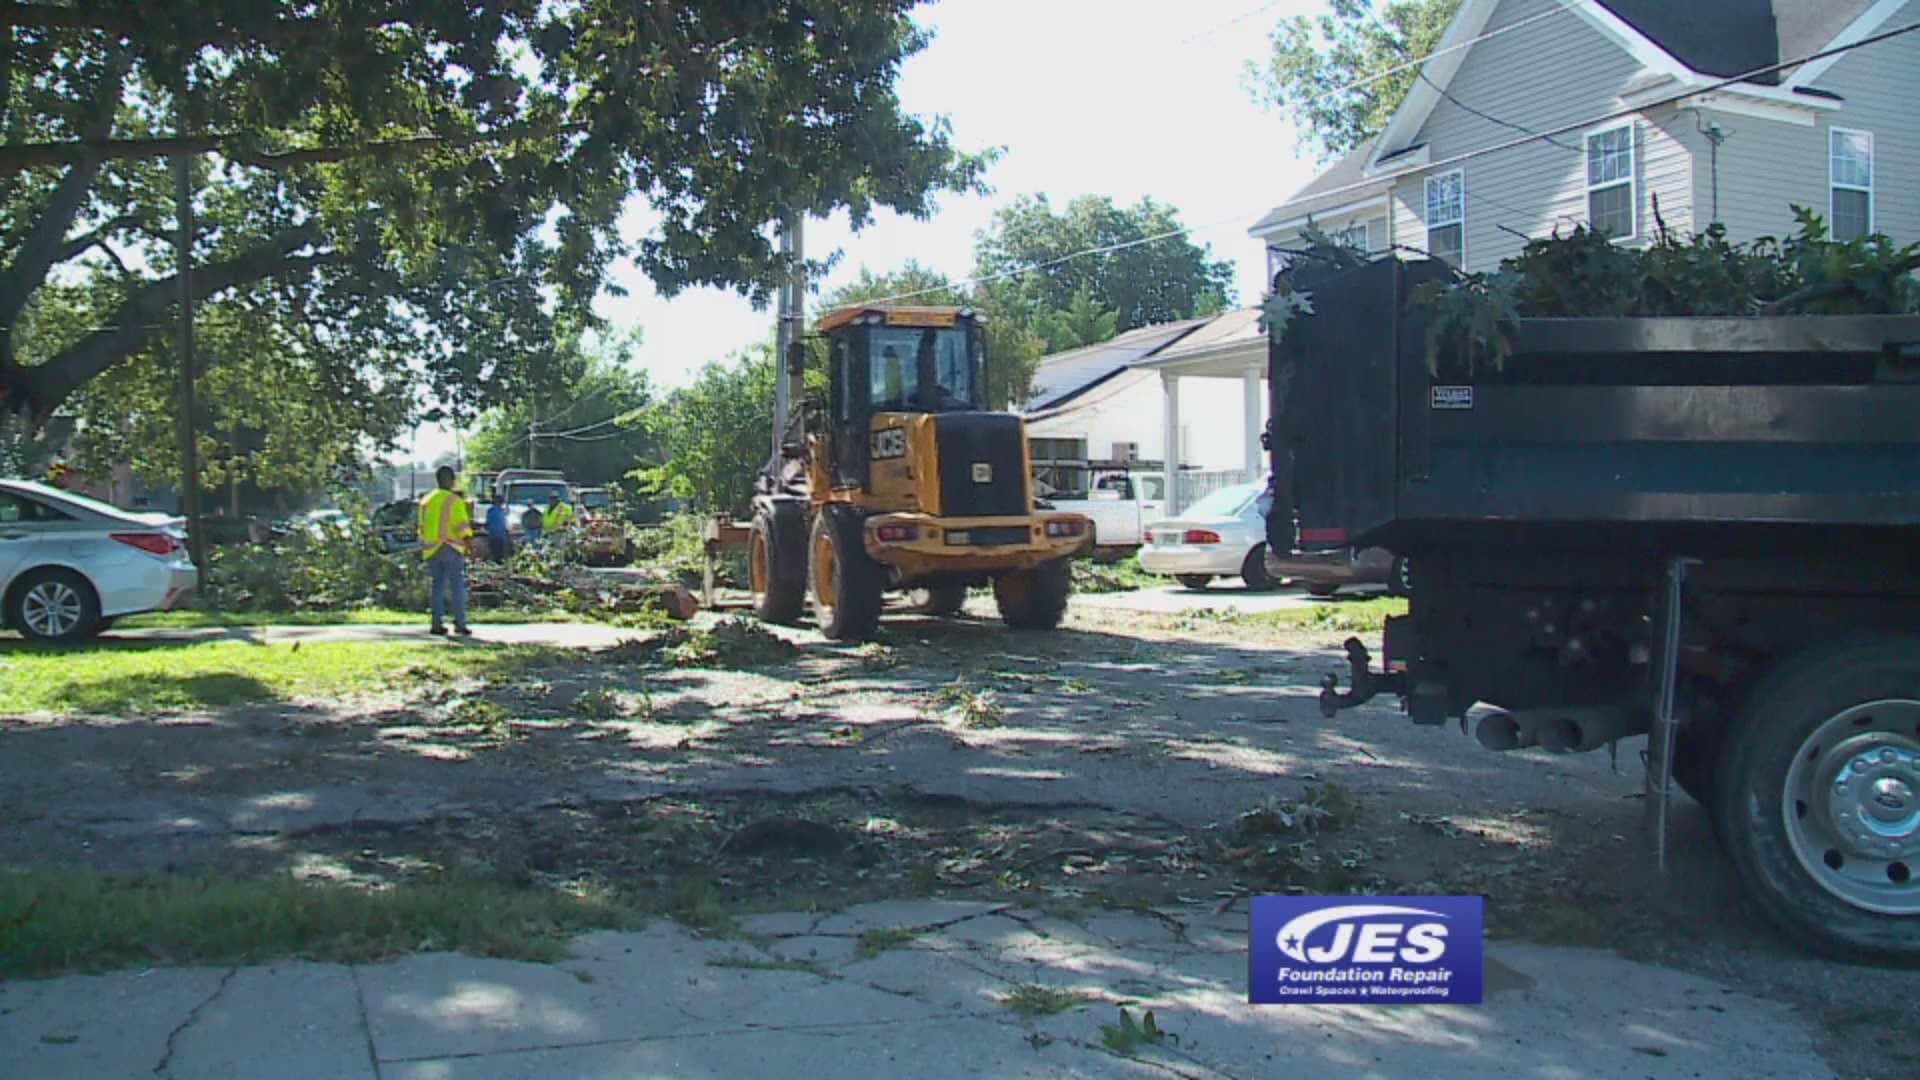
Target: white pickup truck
[(1121, 505)]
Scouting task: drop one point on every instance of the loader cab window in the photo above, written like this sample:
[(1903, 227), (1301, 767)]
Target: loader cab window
[(922, 370)]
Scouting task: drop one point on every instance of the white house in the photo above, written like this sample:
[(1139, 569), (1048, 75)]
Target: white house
[(1188, 398), (1536, 115)]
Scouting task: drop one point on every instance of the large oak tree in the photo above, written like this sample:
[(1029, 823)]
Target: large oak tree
[(426, 186)]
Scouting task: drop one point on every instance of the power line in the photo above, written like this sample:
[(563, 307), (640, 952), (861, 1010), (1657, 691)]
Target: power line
[(1457, 159)]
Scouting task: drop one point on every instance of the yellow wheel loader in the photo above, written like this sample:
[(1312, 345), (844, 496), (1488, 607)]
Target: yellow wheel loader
[(913, 486)]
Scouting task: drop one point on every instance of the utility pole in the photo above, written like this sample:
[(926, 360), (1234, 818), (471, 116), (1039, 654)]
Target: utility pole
[(189, 436), (789, 385)]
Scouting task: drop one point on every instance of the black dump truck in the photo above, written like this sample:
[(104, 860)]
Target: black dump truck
[(1705, 531)]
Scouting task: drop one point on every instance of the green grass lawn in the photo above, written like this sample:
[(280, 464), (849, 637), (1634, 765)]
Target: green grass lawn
[(199, 620), (114, 678), (53, 922)]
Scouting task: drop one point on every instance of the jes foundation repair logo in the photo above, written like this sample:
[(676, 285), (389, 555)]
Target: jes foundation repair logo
[(1377, 950)]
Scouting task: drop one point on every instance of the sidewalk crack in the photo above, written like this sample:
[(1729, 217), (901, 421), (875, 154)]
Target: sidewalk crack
[(166, 1056), (366, 1026)]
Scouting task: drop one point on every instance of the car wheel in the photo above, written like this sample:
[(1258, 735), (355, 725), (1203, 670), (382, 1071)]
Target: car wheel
[(56, 606), (1254, 571), (1196, 582)]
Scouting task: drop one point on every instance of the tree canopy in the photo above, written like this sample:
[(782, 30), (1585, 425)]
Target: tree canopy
[(1152, 273), (1357, 44), (1066, 302), (421, 188), (590, 426)]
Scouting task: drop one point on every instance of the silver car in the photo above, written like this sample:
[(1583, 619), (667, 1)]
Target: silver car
[(70, 565), (1221, 535)]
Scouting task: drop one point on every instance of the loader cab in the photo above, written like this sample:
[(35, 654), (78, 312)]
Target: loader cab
[(889, 365)]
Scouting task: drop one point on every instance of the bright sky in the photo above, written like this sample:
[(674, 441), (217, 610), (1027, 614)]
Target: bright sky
[(1100, 97)]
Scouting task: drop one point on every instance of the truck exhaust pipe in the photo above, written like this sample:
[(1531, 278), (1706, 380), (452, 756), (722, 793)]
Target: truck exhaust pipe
[(1501, 731), (1576, 731)]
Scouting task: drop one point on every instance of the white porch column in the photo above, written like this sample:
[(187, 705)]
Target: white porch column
[(1250, 413), (1170, 394)]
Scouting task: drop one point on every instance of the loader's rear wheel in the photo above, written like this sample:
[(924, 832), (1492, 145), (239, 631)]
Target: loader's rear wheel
[(939, 599), (1035, 599), (777, 564), (847, 586)]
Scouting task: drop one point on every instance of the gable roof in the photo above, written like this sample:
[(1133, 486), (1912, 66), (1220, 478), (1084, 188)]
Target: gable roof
[(1332, 189), (1064, 376), (1687, 41), (1725, 38)]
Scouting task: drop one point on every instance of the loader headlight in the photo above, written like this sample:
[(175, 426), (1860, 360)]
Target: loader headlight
[(1068, 527)]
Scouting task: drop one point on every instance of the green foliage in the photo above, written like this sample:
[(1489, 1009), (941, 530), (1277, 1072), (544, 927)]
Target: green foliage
[(1065, 304), (1127, 1037), (332, 570), (714, 435), (1585, 275), (596, 409), (428, 189), (1354, 44), (1162, 277)]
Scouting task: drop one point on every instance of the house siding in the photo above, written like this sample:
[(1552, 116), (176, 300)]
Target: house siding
[(1132, 411), (1767, 166), (1529, 190)]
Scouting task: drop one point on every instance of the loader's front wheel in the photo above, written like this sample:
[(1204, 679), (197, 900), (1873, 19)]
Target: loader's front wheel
[(777, 564), (847, 586), (1035, 599)]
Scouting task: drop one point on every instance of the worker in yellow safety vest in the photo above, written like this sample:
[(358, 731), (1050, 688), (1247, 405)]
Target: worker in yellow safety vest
[(446, 530), (559, 515)]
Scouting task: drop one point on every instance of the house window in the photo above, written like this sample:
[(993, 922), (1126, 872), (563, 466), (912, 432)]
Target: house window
[(1850, 167), (1447, 217), (1353, 236), (1611, 191)]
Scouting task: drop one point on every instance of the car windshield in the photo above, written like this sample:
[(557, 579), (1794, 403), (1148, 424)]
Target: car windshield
[(1227, 502), (595, 500), (539, 493)]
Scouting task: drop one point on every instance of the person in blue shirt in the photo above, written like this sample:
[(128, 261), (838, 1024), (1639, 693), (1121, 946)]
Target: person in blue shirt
[(498, 538)]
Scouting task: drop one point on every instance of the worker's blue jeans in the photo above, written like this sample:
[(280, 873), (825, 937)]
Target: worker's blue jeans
[(449, 582)]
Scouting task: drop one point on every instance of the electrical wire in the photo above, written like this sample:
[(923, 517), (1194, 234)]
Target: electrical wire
[(1430, 167)]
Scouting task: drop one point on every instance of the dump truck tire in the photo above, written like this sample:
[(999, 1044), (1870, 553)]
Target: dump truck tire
[(1035, 599), (847, 587), (1816, 798), (777, 564), (939, 599)]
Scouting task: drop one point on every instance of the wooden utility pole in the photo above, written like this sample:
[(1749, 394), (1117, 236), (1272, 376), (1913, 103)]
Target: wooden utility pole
[(189, 435)]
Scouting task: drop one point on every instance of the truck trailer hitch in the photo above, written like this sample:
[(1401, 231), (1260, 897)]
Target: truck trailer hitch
[(1366, 682)]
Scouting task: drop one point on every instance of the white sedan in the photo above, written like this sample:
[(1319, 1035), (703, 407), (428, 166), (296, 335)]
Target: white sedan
[(70, 565), (1222, 535)]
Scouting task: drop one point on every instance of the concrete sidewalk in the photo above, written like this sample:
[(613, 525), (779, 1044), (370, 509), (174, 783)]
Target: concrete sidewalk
[(563, 635), (796, 996)]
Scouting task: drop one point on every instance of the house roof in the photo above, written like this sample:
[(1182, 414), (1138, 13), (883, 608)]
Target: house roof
[(1064, 376), (1694, 39), (1725, 38), (1333, 188)]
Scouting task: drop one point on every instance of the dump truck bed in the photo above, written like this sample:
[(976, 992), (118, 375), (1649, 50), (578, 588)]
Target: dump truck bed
[(1724, 432)]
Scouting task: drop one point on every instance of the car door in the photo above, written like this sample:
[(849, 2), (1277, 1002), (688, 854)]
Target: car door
[(23, 528), (1153, 501)]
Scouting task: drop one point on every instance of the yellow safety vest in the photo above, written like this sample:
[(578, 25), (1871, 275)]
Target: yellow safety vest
[(444, 519), (557, 516)]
